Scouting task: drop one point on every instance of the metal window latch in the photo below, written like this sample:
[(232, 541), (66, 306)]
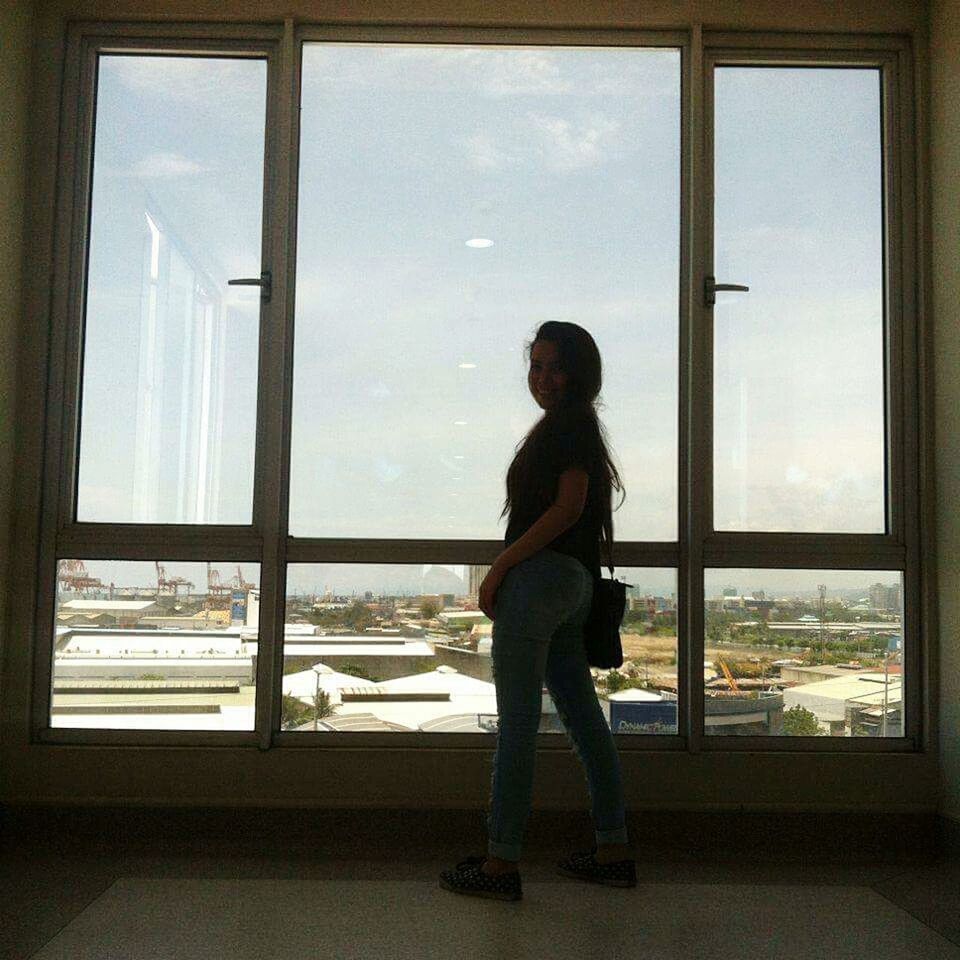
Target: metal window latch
[(710, 286), (264, 283)]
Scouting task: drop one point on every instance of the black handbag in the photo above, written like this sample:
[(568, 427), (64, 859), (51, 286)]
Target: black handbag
[(601, 632)]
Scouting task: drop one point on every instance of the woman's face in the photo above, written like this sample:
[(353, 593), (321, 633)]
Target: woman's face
[(547, 382)]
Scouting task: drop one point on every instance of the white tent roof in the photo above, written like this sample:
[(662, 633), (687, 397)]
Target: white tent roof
[(444, 679), (304, 683), (413, 713)]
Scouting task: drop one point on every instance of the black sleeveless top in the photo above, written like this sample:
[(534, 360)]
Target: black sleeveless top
[(571, 440)]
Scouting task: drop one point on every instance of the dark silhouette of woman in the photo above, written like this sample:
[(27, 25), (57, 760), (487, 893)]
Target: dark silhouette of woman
[(538, 594)]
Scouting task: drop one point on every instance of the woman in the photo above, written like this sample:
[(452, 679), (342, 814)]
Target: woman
[(538, 595)]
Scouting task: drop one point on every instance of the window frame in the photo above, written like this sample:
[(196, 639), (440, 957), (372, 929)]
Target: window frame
[(698, 546)]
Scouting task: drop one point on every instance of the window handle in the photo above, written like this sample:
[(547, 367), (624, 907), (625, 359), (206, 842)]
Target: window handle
[(264, 283), (710, 286)]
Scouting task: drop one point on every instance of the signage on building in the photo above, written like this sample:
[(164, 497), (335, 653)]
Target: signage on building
[(238, 607), (643, 717)]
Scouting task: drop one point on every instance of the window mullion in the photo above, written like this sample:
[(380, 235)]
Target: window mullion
[(696, 470), (273, 434)]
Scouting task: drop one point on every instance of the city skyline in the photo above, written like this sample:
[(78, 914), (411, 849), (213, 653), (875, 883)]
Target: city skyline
[(312, 578)]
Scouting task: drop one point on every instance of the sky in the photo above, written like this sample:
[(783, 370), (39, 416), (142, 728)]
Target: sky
[(409, 390)]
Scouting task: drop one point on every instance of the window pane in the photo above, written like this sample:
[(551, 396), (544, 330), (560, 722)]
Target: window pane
[(155, 646), (804, 653), (170, 351), (405, 647), (798, 360), (451, 200)]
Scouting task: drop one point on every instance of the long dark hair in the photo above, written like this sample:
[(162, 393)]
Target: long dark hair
[(580, 361)]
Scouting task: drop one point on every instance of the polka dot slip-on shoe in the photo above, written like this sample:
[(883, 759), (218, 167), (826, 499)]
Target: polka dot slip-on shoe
[(620, 873), (470, 879)]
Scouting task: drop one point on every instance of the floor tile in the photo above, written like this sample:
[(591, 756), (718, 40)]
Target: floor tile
[(183, 919), (930, 893)]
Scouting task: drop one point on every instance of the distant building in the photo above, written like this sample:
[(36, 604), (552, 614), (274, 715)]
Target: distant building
[(126, 614), (851, 705), (883, 597), (735, 602), (475, 578)]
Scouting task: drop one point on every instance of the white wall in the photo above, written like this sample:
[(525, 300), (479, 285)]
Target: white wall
[(945, 221), (16, 31)]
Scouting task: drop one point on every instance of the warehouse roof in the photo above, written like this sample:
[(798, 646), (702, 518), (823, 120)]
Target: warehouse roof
[(118, 605)]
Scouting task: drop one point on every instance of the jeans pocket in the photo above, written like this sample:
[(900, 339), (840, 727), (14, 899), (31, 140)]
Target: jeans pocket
[(534, 599)]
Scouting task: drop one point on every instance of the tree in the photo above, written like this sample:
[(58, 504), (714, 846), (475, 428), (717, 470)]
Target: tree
[(294, 712), (429, 609), (615, 681), (716, 632), (799, 722), (355, 670), (357, 616), (636, 617), (322, 707), (325, 618)]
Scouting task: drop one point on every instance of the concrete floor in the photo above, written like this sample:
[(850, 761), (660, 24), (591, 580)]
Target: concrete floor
[(177, 887)]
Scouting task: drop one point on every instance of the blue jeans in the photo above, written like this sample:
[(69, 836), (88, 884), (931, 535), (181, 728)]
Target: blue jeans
[(539, 612)]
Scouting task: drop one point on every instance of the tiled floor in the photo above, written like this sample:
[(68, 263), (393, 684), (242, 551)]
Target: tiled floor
[(117, 895)]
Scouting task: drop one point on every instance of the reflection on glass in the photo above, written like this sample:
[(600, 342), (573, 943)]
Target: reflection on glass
[(170, 351), (379, 647), (798, 360), (155, 646), (451, 199), (803, 653)]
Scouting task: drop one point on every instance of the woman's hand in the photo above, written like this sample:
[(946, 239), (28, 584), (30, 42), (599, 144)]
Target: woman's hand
[(488, 589)]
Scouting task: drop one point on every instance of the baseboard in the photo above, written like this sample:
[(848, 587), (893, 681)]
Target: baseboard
[(827, 836)]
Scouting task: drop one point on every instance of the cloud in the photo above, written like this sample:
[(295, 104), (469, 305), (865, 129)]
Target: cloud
[(484, 154), (194, 79), (564, 145), (518, 71), (444, 68), (569, 146), (164, 165), (494, 72)]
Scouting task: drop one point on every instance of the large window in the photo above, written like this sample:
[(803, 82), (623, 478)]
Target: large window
[(451, 200), (291, 377), (798, 428), (170, 350)]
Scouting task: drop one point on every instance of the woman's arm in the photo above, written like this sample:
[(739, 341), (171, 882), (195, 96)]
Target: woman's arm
[(560, 516)]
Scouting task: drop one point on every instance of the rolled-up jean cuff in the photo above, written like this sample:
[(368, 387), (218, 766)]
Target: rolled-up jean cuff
[(612, 836), (505, 851)]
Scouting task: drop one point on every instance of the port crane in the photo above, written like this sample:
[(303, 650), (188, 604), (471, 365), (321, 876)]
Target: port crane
[(239, 583), (72, 575), (171, 584), (218, 592)]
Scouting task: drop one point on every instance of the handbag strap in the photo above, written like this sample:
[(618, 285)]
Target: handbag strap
[(609, 565), (600, 571)]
